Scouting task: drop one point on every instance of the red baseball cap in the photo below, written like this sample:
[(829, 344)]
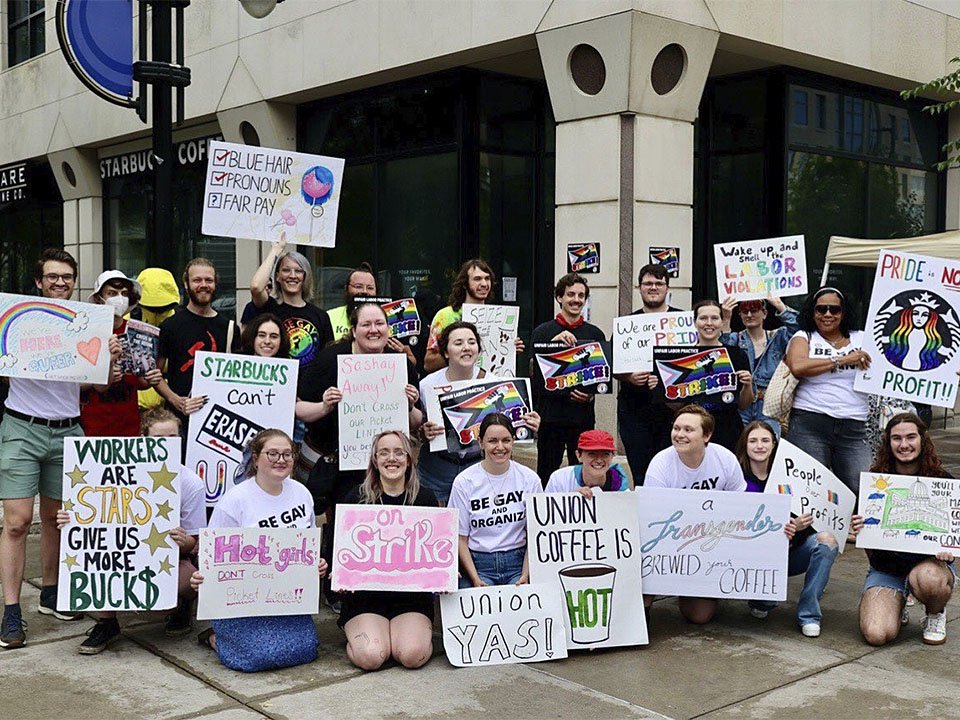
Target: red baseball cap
[(595, 440)]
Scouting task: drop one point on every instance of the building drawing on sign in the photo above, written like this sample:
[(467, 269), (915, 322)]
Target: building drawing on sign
[(915, 510)]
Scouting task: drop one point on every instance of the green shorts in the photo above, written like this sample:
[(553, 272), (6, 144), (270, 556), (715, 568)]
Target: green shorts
[(31, 458)]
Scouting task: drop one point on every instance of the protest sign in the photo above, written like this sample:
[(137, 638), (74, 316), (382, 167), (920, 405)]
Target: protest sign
[(587, 550), (464, 410), (669, 257), (757, 268), (431, 403), (583, 367), (711, 543), (909, 514), (374, 400), (245, 394), (497, 326), (140, 345), (403, 319), (502, 624), (635, 336), (250, 572), (583, 257), (257, 192), (49, 339), (690, 372), (913, 332), (123, 496), (377, 547), (812, 488)]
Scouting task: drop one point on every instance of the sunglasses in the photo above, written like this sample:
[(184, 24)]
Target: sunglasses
[(828, 309)]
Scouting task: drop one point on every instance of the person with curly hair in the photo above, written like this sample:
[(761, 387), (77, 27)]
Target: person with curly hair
[(473, 284)]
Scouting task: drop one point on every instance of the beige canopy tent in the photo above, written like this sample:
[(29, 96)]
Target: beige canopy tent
[(864, 253)]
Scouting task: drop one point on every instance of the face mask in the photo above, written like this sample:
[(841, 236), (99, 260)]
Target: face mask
[(119, 303)]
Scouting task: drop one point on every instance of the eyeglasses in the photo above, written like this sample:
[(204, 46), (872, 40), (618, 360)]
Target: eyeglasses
[(828, 309), (651, 285), (363, 286), (275, 455), (54, 277), (387, 453)]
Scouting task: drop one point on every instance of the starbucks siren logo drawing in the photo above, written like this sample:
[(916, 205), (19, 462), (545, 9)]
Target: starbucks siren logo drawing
[(917, 330)]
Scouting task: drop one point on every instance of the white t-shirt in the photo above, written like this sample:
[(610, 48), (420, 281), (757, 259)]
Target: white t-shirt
[(45, 399), (193, 502), (493, 515), (248, 505), (438, 383), (719, 470), (831, 393), (564, 480)]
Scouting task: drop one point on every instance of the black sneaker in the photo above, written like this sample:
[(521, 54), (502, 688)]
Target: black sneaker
[(12, 631), (180, 621), (48, 606), (100, 636)]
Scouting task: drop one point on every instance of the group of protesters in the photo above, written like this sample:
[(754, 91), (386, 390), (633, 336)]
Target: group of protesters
[(714, 443)]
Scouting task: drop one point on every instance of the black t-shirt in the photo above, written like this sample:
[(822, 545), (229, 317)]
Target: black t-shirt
[(556, 407), (723, 406), (425, 498), (308, 328), (182, 335), (633, 396)]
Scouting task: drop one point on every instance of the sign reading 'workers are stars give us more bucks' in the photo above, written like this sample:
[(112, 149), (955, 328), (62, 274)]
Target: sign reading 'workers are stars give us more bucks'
[(123, 498)]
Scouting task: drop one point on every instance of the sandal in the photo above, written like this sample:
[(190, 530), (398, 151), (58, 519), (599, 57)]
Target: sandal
[(204, 638)]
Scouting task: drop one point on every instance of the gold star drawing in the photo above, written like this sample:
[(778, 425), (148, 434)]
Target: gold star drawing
[(77, 476), (166, 566), (164, 510), (162, 478), (70, 561), (68, 505), (156, 540)]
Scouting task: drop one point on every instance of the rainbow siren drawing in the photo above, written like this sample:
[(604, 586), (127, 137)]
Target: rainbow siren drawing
[(60, 340), (582, 365), (464, 410), (686, 372)]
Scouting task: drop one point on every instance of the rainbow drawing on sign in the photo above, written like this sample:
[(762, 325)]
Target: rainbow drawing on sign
[(467, 416), (581, 365), (403, 318), (583, 257), (17, 311), (784, 490), (833, 497), (706, 372)]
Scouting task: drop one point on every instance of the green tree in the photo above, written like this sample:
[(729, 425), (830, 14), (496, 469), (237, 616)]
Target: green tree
[(944, 86)]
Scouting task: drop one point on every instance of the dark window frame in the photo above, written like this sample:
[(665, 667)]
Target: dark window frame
[(28, 21)]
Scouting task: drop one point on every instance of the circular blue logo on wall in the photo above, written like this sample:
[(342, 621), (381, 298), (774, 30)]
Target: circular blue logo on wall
[(96, 37)]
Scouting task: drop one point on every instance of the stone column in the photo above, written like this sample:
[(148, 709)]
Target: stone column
[(77, 173)]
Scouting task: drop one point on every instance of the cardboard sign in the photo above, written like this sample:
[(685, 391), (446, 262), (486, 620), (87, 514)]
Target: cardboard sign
[(141, 344), (588, 551), (909, 514), (48, 339), (431, 404), (710, 543), (498, 326), (689, 372), (635, 336), (464, 410), (757, 268), (257, 192), (250, 572), (373, 401), (392, 547), (502, 624), (584, 367), (812, 488), (245, 394), (583, 258), (123, 496), (913, 330), (668, 257)]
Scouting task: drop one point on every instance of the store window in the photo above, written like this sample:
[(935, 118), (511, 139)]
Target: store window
[(25, 30), (31, 218)]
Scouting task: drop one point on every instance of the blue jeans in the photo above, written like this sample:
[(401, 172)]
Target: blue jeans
[(838, 444), (437, 473), (497, 568), (815, 559), (755, 412)]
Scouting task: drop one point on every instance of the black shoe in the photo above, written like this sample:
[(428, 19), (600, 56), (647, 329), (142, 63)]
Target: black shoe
[(180, 621), (48, 606), (12, 631), (100, 636)]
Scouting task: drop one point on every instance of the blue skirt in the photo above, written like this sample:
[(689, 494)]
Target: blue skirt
[(252, 644)]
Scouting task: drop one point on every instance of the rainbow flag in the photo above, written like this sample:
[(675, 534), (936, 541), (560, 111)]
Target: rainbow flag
[(570, 362), (833, 497), (466, 416), (402, 317), (696, 366), (784, 490)]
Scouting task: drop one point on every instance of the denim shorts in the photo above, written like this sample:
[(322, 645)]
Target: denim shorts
[(497, 568), (879, 579)]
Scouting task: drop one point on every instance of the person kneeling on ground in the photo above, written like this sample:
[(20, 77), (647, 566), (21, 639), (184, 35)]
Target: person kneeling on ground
[(596, 472)]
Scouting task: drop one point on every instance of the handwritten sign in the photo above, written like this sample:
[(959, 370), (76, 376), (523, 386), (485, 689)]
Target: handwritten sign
[(635, 336), (250, 572), (910, 514), (49, 339), (812, 488), (757, 268), (588, 551), (257, 192), (498, 326), (668, 257), (686, 373), (373, 401), (464, 410), (710, 543), (564, 368), (913, 331), (583, 257), (378, 547), (140, 346), (503, 624), (123, 496), (245, 394)]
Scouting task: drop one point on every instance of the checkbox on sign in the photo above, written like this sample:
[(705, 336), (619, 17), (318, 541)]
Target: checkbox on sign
[(215, 201), (216, 179), (220, 158)]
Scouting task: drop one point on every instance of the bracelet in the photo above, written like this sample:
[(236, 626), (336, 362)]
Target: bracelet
[(836, 362)]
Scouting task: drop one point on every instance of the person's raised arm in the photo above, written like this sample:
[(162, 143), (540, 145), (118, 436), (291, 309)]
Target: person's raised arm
[(261, 278)]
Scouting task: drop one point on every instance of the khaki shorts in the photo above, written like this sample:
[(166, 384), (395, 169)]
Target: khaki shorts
[(31, 458)]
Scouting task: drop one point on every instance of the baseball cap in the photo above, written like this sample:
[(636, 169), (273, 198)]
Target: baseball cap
[(595, 440), (108, 275)]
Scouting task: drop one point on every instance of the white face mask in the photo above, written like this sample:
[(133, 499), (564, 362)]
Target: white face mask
[(119, 303)]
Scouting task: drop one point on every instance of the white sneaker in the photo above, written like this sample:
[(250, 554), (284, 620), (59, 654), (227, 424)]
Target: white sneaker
[(905, 615), (935, 628), (758, 613), (811, 630)]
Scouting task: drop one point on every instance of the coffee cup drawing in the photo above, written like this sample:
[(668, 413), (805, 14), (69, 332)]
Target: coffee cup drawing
[(589, 593)]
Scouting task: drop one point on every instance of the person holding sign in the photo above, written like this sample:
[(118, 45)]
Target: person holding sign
[(596, 470), (565, 414), (361, 282), (764, 348), (906, 449), (269, 498), (379, 625), (828, 417), (493, 514)]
